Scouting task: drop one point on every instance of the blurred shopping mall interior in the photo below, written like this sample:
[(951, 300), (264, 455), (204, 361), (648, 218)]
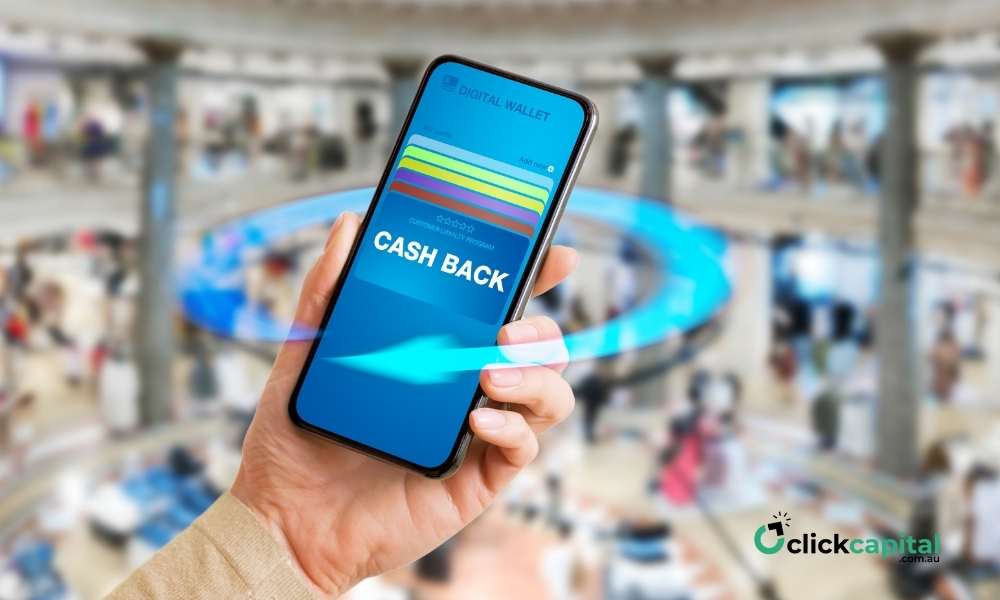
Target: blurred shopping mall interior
[(845, 152)]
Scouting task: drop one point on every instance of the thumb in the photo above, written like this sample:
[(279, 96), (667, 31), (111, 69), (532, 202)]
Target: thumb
[(318, 285), (315, 295)]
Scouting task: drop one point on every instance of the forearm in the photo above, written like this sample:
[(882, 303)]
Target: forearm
[(226, 553)]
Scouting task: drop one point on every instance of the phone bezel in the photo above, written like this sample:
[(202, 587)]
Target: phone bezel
[(523, 292)]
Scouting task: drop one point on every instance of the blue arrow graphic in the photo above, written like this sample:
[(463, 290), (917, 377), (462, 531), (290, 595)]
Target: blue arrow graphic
[(693, 289)]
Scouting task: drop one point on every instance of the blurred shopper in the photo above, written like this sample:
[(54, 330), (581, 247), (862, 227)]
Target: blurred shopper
[(51, 130), (826, 409), (981, 320), (305, 153), (940, 511), (682, 458), (620, 151), (647, 566), (8, 154), (791, 158), (945, 362), (214, 143), (800, 159), (114, 265), (51, 303), (709, 145), (365, 132), (962, 513), (594, 392), (835, 157), (982, 550), (973, 161), (578, 318), (299, 150), (855, 149), (16, 312), (95, 147), (7, 367), (270, 284), (873, 158), (436, 565), (727, 464), (21, 430), (250, 121), (843, 158), (680, 463), (21, 274), (784, 365), (31, 129), (988, 152), (943, 500), (561, 567), (202, 380)]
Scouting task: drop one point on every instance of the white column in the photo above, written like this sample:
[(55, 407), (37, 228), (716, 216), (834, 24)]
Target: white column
[(655, 179), (656, 154), (747, 111), (157, 298), (899, 389)]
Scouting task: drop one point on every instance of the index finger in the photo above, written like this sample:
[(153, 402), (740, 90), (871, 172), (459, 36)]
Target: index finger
[(532, 331), (559, 263), (321, 279)]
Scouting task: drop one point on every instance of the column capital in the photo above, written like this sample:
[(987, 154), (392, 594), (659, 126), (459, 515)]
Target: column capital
[(402, 66), (160, 49), (900, 46), (660, 63)]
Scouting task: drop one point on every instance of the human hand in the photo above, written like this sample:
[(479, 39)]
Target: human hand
[(344, 516)]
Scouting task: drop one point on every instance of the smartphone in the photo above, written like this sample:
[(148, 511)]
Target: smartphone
[(450, 246)]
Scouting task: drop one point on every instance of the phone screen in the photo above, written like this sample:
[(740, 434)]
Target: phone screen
[(448, 240)]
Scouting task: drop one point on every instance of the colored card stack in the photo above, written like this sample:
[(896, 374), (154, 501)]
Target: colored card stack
[(472, 185)]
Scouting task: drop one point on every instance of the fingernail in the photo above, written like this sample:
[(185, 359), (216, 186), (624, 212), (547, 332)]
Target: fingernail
[(575, 254), (505, 377), (338, 222), (333, 230), (521, 332), (488, 418)]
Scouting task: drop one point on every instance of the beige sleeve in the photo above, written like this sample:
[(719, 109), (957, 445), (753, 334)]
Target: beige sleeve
[(226, 553)]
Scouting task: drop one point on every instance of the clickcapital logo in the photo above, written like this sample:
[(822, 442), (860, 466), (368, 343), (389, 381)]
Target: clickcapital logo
[(781, 521), (772, 538)]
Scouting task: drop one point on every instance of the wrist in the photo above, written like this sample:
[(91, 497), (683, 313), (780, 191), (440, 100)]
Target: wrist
[(273, 516)]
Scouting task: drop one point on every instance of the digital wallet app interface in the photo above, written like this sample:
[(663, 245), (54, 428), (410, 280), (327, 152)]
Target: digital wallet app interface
[(447, 242)]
